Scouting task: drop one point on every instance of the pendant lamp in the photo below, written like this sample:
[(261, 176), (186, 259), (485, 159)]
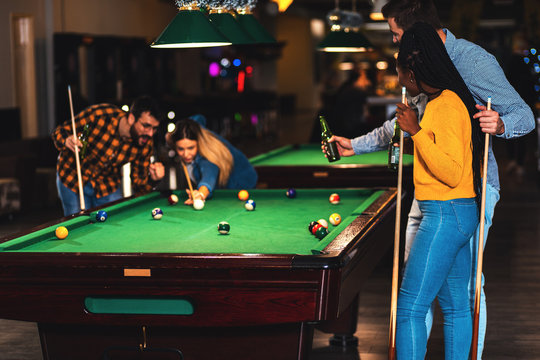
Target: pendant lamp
[(253, 27), (225, 22), (190, 29), (345, 34)]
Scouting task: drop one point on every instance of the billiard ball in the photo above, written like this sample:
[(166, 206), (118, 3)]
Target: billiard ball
[(321, 233), (198, 204), (311, 225), (224, 227), (315, 228), (101, 216), (250, 205), (334, 199), (157, 213), (173, 199), (243, 195), (335, 219), (61, 232), (291, 193), (323, 222)]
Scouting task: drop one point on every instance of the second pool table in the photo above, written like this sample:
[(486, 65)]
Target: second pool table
[(305, 166), (135, 284)]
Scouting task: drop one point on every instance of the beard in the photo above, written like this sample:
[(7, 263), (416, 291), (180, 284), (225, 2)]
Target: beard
[(139, 140)]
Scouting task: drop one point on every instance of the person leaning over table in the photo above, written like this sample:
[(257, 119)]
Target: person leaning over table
[(212, 162), (509, 117), (115, 138)]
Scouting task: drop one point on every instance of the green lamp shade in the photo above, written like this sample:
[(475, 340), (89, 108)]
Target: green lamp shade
[(232, 30), (190, 29), (255, 29), (345, 41)]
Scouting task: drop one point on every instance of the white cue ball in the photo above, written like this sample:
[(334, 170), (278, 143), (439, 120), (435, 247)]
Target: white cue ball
[(198, 204)]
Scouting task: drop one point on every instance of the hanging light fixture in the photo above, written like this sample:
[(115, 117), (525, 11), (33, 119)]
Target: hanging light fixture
[(376, 12), (250, 24), (223, 19), (283, 4), (345, 34), (190, 29)]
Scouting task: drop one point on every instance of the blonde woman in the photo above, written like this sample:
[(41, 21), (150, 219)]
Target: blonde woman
[(212, 162)]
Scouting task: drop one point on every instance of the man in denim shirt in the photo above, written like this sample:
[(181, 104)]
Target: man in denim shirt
[(510, 117)]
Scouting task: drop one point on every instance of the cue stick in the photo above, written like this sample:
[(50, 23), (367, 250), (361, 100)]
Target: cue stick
[(188, 181), (77, 161), (395, 267), (480, 251)]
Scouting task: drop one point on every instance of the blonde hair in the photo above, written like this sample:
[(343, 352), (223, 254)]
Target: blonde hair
[(209, 146)]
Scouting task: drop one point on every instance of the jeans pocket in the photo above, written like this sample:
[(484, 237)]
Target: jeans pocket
[(466, 213)]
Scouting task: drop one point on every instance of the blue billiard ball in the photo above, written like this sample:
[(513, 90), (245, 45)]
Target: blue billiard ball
[(157, 213), (101, 216), (250, 205), (291, 193)]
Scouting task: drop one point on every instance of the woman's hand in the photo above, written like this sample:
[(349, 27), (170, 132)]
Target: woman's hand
[(407, 120), (343, 144)]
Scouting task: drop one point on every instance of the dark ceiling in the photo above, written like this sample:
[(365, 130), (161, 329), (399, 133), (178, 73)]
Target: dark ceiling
[(491, 9)]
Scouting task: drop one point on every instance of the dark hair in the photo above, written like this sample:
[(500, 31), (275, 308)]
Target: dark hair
[(408, 12), (143, 104), (422, 51), (184, 129)]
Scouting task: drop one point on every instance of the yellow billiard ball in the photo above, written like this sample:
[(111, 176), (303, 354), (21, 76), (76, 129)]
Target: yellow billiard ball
[(335, 219), (61, 232), (243, 195)]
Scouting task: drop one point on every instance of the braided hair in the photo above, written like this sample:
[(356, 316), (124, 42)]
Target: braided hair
[(422, 51)]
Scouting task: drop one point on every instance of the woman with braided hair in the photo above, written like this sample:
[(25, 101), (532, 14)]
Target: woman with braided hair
[(447, 168)]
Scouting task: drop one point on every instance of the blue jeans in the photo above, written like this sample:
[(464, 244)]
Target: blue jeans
[(70, 199), (415, 217), (438, 266)]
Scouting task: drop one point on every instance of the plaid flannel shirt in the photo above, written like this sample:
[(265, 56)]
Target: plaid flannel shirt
[(107, 151)]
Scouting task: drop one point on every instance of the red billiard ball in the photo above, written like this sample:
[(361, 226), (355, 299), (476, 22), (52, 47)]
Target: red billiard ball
[(315, 228), (173, 199), (334, 199)]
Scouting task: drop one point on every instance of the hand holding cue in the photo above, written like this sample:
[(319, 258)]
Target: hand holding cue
[(188, 181), (395, 266), (480, 250), (77, 161)]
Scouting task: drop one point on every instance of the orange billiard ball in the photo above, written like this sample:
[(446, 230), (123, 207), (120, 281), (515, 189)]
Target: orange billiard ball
[(243, 195), (61, 232)]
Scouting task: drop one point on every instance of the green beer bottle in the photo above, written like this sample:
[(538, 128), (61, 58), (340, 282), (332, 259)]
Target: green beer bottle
[(83, 138), (332, 152), (393, 150)]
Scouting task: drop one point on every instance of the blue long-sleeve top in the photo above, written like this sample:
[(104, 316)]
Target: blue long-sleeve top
[(484, 78), (204, 172)]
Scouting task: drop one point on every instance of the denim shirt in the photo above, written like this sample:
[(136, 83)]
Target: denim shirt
[(484, 78), (204, 172)]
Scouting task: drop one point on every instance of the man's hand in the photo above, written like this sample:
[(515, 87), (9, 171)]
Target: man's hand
[(490, 121), (157, 171), (343, 144), (70, 143)]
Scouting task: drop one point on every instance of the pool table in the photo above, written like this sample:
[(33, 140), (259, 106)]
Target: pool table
[(133, 285), (304, 165)]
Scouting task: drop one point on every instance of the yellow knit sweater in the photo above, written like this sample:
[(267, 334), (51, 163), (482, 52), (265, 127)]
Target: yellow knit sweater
[(443, 151)]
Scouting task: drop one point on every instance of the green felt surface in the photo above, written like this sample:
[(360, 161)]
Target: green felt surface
[(311, 155), (278, 225)]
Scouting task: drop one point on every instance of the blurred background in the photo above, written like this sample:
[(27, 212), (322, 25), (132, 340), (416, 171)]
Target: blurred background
[(260, 95)]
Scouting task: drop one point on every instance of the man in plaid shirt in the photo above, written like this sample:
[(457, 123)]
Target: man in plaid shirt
[(114, 139)]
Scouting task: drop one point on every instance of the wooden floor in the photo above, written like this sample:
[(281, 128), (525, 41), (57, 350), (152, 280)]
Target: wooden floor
[(512, 270)]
